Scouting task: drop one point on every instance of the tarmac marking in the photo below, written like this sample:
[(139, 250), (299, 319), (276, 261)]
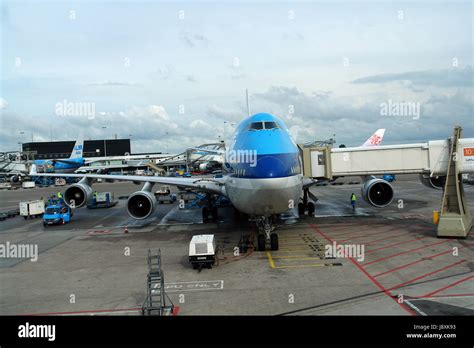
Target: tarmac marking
[(371, 278), (302, 247), (89, 312), (405, 252), (441, 296), (353, 233), (194, 286), (415, 308), (294, 257), (384, 239), (426, 275), (310, 265), (291, 250), (448, 286), (367, 235), (395, 244), (415, 262), (270, 259)]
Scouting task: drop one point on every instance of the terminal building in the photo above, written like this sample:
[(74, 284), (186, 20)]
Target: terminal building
[(92, 148)]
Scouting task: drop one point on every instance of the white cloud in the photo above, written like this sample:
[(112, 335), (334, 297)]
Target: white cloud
[(3, 104), (200, 125)]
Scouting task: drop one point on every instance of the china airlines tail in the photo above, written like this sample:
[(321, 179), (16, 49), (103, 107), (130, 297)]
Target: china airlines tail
[(375, 139)]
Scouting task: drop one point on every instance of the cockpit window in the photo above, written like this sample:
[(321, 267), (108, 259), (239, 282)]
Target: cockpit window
[(271, 125), (256, 126)]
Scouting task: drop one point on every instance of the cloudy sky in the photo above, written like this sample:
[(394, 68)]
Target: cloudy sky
[(173, 74)]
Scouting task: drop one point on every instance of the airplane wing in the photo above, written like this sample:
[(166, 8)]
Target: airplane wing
[(211, 185), (206, 151)]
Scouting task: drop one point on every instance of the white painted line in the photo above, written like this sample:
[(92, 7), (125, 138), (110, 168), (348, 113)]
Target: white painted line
[(415, 307), (194, 286), (440, 297)]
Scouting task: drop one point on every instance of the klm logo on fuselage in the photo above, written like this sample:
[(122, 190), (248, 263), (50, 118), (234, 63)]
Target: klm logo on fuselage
[(296, 169), (239, 172)]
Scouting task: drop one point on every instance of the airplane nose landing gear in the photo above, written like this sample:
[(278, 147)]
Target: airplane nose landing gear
[(265, 236)]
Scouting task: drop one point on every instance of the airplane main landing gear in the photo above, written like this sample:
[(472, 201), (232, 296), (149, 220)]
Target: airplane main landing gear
[(209, 212), (305, 205)]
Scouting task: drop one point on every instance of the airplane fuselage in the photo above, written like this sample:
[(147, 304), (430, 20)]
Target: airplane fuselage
[(264, 167), (55, 166)]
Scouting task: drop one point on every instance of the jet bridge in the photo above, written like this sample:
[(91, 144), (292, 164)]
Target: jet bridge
[(449, 158)]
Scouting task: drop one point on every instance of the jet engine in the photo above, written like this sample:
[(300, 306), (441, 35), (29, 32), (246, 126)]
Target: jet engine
[(377, 192), (203, 166), (14, 179), (208, 165), (141, 204), (434, 182), (77, 195)]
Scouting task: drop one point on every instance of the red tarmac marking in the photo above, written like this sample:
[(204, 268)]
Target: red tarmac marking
[(382, 239), (405, 252), (372, 279), (413, 263), (87, 311), (367, 235), (425, 275), (355, 233), (448, 286), (395, 244)]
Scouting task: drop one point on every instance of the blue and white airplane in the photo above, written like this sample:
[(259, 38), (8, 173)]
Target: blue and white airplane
[(264, 179), (75, 161)]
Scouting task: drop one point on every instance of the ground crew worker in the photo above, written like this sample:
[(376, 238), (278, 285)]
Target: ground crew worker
[(353, 201), (95, 198)]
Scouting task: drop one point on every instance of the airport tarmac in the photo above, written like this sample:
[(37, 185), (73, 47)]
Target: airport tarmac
[(84, 267)]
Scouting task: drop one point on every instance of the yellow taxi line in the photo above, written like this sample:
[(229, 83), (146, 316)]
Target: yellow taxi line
[(309, 265), (270, 260)]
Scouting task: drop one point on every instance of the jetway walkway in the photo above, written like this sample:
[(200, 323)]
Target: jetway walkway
[(450, 158)]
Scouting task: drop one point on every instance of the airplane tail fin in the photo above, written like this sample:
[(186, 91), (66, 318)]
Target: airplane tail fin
[(77, 149), (376, 138)]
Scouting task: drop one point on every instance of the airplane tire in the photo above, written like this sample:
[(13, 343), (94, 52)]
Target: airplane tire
[(261, 242), (237, 215), (214, 214), (310, 208), (300, 208), (205, 215), (274, 241)]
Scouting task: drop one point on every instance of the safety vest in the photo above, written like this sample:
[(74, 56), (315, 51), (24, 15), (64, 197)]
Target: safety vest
[(60, 195), (353, 198)]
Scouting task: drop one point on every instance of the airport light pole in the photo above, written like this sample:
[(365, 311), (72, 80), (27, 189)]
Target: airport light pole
[(21, 138), (105, 143)]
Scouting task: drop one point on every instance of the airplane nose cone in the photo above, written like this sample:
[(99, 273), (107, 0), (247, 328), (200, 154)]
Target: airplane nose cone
[(272, 166)]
